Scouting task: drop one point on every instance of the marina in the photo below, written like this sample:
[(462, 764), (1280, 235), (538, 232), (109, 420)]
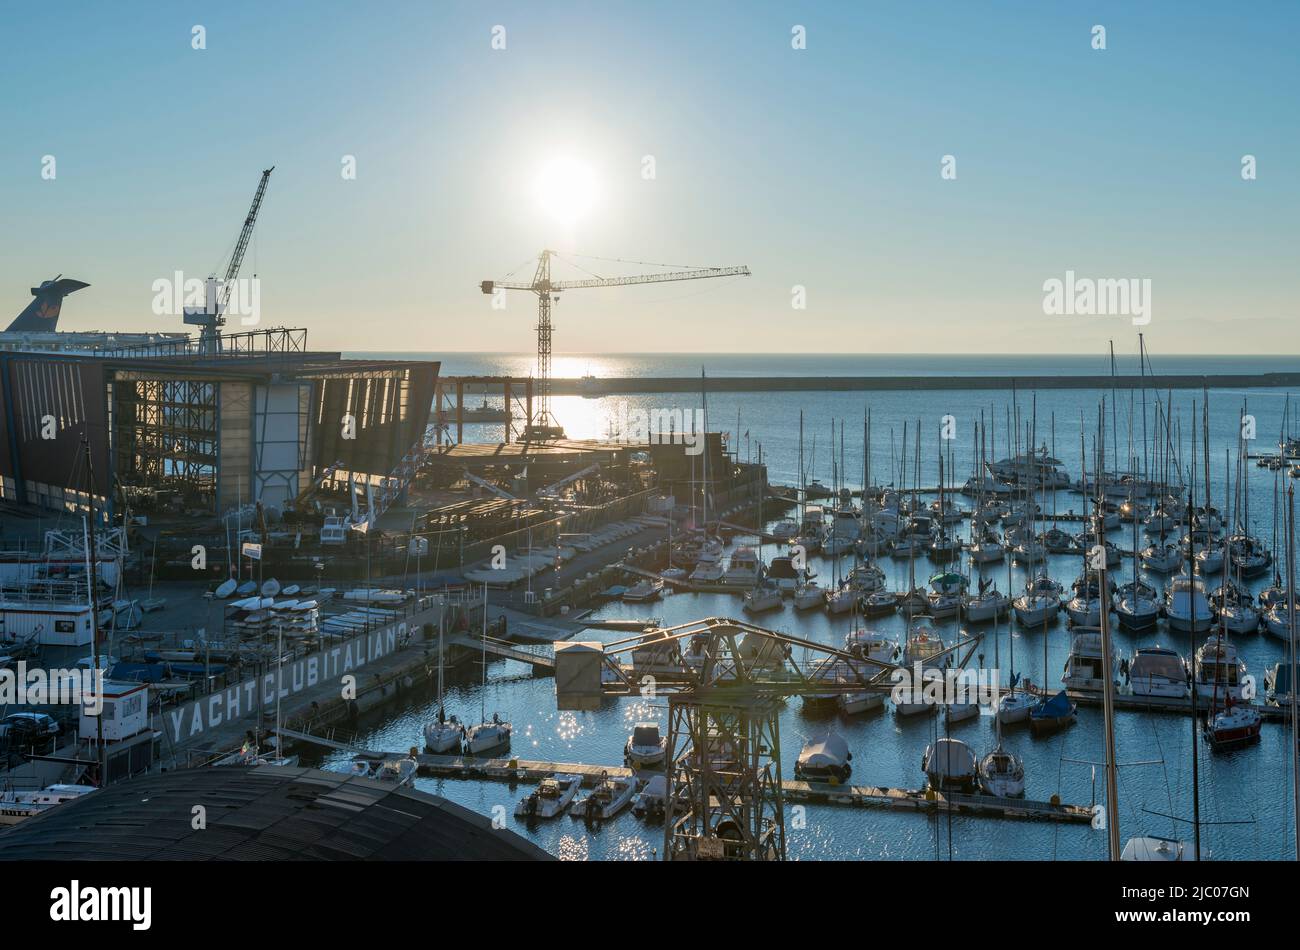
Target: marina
[(661, 433)]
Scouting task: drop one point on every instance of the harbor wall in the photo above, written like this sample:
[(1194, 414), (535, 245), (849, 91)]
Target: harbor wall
[(630, 385)]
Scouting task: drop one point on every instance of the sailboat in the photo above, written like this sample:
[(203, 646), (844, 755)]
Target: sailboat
[(444, 735), (1001, 771), (487, 736)]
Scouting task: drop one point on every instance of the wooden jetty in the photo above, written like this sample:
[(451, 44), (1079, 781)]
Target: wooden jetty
[(517, 771)]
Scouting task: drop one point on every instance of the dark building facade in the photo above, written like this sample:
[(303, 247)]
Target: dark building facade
[(252, 423)]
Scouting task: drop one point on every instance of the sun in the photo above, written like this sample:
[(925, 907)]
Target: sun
[(567, 189)]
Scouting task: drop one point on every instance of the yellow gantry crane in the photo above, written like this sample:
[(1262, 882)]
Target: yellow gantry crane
[(543, 425)]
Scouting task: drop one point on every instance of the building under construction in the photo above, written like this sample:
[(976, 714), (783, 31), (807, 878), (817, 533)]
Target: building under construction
[(196, 431)]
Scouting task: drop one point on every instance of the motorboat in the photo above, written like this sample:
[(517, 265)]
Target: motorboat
[(399, 771), (1159, 672), (766, 595), (867, 644), (652, 801), (645, 748), (1219, 671), (1186, 606), (785, 575), (744, 569), (923, 647), (444, 736), (552, 795), (611, 795), (643, 590), (16, 806), (1002, 773), (949, 766), (1049, 715), (1040, 603), (487, 736), (706, 571), (1085, 666), (824, 758), (785, 530)]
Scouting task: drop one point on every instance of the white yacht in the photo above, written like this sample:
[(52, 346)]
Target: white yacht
[(1186, 606), (610, 796), (923, 645), (1040, 603), (645, 748), (949, 766), (444, 736), (766, 595), (1148, 848), (1165, 558), (1136, 606), (1219, 671), (1085, 666), (809, 595), (744, 569), (824, 758), (550, 798), (1002, 773), (487, 736), (1159, 672)]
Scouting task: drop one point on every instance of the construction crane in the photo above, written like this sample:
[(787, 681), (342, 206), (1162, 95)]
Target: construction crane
[(543, 425), (210, 319)]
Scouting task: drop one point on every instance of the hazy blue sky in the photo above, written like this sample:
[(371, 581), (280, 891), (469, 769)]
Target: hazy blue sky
[(816, 167)]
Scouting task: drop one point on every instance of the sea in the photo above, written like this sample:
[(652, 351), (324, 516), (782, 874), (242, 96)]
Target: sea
[(1246, 799)]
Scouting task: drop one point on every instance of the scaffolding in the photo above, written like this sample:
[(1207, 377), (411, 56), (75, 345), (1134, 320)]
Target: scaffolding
[(166, 435), (725, 787)]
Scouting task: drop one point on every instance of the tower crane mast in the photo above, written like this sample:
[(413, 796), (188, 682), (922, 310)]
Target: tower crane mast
[(543, 425)]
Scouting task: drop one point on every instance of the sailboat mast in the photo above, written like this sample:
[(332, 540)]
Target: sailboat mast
[(1108, 684)]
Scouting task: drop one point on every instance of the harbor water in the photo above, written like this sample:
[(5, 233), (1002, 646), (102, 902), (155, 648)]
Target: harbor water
[(1246, 804)]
